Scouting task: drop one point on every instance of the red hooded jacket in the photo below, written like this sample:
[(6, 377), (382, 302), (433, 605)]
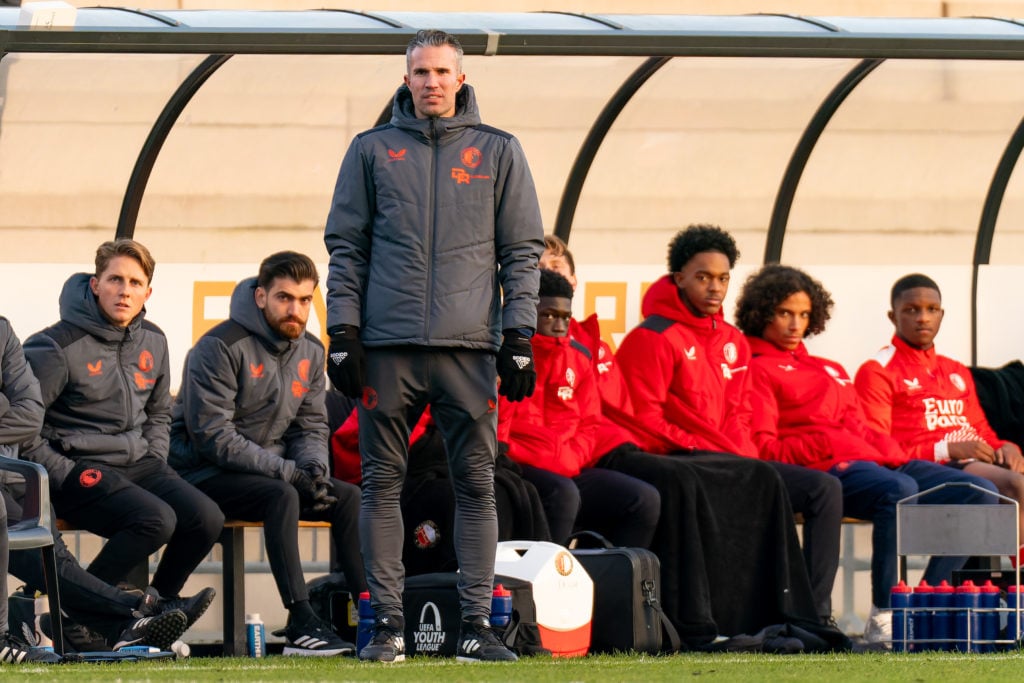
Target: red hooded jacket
[(556, 428), (808, 412), (923, 399), (687, 377)]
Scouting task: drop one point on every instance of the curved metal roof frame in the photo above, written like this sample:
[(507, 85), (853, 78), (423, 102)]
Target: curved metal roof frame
[(221, 34)]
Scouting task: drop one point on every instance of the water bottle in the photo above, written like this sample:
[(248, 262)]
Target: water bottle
[(1012, 620), (921, 617), (364, 629), (899, 600), (966, 625), (501, 607), (942, 616), (989, 617), (255, 635)]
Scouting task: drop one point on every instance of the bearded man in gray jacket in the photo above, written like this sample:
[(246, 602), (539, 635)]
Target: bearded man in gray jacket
[(434, 235), (250, 431)]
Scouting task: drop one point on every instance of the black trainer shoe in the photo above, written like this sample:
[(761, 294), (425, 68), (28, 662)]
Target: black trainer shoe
[(12, 652), (479, 643), (160, 631), (387, 642), (315, 639), (193, 607)]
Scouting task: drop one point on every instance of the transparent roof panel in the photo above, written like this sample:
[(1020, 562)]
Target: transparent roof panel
[(901, 172)]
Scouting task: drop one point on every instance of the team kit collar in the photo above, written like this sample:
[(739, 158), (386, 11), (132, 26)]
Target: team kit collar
[(663, 299), (763, 347), (926, 357)]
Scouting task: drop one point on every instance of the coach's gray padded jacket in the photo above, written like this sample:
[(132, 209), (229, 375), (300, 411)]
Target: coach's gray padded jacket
[(424, 213), (21, 408), (250, 400), (106, 389)]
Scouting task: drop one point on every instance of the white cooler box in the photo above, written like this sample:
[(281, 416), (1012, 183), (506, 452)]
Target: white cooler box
[(563, 593)]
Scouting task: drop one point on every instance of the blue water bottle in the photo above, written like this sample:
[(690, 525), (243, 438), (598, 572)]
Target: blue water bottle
[(1012, 620), (899, 600), (364, 629), (989, 616), (921, 617), (966, 626), (501, 607), (255, 637), (942, 616)]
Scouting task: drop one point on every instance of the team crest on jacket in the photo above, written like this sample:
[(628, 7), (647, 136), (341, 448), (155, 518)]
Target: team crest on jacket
[(426, 534), (145, 361), (958, 381), (730, 353), (834, 374), (570, 376), (471, 156), (369, 398), (304, 369)]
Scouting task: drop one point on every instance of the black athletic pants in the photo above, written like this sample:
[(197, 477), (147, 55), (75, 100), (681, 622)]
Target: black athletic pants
[(275, 503), (150, 506)]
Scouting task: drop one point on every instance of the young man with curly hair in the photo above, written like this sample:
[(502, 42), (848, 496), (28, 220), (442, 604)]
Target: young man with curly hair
[(809, 415)]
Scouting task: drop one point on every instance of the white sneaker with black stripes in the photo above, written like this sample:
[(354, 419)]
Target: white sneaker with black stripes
[(479, 643), (315, 639)]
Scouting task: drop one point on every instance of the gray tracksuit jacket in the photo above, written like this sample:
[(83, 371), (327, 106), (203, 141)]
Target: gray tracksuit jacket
[(106, 389), (433, 221), (250, 400), (21, 408)]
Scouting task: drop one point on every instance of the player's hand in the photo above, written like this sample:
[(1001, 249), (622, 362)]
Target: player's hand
[(346, 361), (305, 485), (516, 370), (322, 500), (1009, 456), (972, 450)]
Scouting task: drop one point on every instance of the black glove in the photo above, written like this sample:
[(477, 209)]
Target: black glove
[(346, 361), (88, 482), (515, 366), (304, 484), (322, 500)]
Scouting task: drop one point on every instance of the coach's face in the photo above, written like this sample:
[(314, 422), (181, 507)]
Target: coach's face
[(434, 79)]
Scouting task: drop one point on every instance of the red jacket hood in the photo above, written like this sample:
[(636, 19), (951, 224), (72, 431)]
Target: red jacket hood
[(663, 299)]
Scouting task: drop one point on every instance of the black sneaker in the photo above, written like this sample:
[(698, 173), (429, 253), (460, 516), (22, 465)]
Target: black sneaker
[(12, 652), (479, 643), (315, 639), (160, 631), (387, 642), (193, 607)]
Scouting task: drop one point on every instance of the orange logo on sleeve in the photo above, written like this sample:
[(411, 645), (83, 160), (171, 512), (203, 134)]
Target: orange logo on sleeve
[(95, 369), (304, 369), (256, 371)]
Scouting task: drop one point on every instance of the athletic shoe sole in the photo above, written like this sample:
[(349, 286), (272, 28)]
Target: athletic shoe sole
[(303, 652), (160, 631)]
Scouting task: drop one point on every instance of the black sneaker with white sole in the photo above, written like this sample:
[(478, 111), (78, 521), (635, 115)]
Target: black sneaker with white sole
[(479, 643), (13, 652), (387, 641), (160, 631), (315, 639)]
